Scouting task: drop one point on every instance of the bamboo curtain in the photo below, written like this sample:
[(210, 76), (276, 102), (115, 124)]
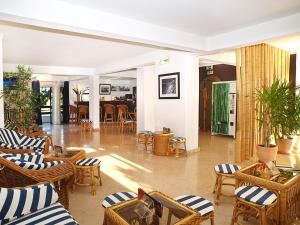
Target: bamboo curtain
[(257, 66)]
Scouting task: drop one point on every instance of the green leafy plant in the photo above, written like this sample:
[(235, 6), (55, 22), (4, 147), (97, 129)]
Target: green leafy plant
[(21, 99), (274, 107)]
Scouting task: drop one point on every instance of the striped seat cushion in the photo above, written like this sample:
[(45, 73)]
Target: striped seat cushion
[(118, 197), (54, 214), (14, 140), (257, 195), (178, 139), (88, 162), (201, 205), (15, 202), (146, 132), (35, 157), (227, 168), (28, 164)]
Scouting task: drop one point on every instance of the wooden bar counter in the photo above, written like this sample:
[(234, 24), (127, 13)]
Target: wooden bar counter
[(161, 143)]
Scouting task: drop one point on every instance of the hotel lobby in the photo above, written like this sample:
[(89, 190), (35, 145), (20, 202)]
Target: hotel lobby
[(135, 113)]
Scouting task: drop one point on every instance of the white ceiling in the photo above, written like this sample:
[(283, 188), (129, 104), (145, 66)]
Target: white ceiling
[(202, 17), (32, 47)]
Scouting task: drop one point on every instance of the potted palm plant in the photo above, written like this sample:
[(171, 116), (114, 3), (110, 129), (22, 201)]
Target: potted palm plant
[(270, 101), (289, 121), (77, 92)]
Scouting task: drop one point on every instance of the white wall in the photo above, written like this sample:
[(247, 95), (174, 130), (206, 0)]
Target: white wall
[(129, 83), (181, 115)]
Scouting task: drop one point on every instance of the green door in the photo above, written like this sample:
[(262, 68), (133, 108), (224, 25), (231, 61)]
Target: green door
[(220, 108)]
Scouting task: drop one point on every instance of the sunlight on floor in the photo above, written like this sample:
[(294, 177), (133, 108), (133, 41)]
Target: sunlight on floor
[(86, 149), (123, 171)]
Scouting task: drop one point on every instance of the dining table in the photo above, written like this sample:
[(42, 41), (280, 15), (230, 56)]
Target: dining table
[(288, 191), (128, 213)]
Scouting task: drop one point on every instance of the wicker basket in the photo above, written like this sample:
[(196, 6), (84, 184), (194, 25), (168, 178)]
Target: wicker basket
[(12, 175)]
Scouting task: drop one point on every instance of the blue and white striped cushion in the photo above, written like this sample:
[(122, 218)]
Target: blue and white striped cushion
[(203, 206), (29, 165), (118, 197), (15, 203), (227, 168), (88, 162), (35, 157), (257, 195), (14, 140), (146, 132), (177, 139), (54, 214)]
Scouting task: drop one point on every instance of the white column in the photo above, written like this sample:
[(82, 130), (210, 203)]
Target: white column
[(298, 68), (56, 103), (1, 83), (94, 103), (146, 96)]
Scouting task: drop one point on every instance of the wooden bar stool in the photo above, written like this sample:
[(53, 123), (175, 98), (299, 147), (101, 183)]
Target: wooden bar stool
[(145, 138), (223, 171), (83, 112), (175, 143), (253, 201), (109, 113), (122, 113), (86, 168)]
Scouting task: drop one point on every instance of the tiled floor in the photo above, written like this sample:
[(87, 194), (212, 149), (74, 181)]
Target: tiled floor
[(126, 166)]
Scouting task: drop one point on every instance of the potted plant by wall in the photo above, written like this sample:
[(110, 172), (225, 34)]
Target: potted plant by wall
[(77, 92), (289, 121), (270, 100), (19, 99)]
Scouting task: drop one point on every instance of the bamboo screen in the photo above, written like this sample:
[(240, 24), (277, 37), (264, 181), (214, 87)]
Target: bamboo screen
[(256, 66)]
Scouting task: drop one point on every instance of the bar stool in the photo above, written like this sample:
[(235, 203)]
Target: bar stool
[(253, 201), (204, 207), (86, 168), (223, 171), (145, 138), (83, 112), (109, 112), (117, 198), (122, 112), (175, 143)]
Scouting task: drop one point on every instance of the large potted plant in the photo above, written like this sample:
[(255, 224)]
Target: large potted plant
[(270, 100), (288, 120), (19, 99)]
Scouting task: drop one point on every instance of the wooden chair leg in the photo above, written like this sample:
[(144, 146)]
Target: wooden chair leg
[(99, 175), (212, 219), (262, 217), (177, 150), (92, 182)]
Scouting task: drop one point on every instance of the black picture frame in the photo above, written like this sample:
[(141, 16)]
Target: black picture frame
[(104, 89), (169, 86)]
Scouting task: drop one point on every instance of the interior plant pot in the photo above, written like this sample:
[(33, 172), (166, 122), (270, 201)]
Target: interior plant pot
[(266, 154), (285, 146)]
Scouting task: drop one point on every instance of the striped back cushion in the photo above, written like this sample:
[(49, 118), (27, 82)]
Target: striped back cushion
[(14, 138), (15, 203)]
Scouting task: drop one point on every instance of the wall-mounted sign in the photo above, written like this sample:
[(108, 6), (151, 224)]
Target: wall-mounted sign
[(165, 60)]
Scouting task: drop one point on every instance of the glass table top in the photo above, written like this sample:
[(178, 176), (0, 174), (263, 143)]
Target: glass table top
[(172, 212)]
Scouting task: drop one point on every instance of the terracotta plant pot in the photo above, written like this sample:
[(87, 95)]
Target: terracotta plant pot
[(266, 154), (285, 146)]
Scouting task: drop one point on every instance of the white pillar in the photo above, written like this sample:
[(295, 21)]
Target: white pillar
[(1, 83), (56, 103), (146, 96), (94, 103), (298, 68)]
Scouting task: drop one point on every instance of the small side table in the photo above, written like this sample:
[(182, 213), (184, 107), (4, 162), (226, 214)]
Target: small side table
[(161, 143)]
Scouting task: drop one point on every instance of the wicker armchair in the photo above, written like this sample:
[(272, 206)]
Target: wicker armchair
[(14, 142), (12, 175)]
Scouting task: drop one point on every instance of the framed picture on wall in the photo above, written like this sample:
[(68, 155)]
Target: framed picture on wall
[(169, 86), (104, 89)]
